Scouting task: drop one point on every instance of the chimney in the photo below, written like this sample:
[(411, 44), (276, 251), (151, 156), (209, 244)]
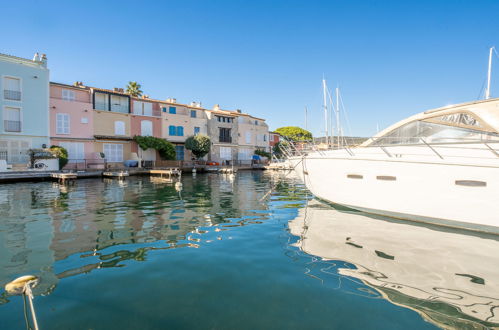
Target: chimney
[(238, 111), (145, 96), (36, 58), (78, 84), (171, 100), (118, 90), (216, 107), (44, 60)]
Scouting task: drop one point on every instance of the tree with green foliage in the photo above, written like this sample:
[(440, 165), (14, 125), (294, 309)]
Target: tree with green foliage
[(133, 88), (61, 153), (294, 133), (165, 149), (199, 145)]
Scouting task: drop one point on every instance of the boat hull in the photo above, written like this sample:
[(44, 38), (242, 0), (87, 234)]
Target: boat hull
[(447, 194)]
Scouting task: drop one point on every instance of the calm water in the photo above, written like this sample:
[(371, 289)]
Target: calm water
[(253, 252)]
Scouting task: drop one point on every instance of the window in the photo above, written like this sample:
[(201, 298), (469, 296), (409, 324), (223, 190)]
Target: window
[(197, 130), (172, 110), (180, 131), (193, 113), (176, 130), (172, 130), (225, 135), (113, 152), (12, 119), (76, 150), (179, 151), (68, 95), (256, 122), (101, 101), (142, 108), (264, 137), (226, 153), (163, 109), (15, 151), (146, 128), (417, 131), (12, 88), (119, 103), (119, 128), (84, 120), (248, 137), (62, 123)]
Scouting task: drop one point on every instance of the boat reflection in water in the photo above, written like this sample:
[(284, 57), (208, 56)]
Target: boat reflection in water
[(450, 277)]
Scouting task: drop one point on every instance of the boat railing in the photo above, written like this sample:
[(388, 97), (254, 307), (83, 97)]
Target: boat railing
[(387, 144)]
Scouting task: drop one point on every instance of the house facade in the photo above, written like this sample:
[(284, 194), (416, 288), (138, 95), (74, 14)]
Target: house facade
[(223, 132), (72, 120), (112, 125), (253, 135), (179, 121), (24, 103), (274, 139), (145, 121)]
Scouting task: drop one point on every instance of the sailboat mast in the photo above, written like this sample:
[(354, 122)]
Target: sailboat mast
[(338, 115), (306, 119), (325, 110), (487, 92)]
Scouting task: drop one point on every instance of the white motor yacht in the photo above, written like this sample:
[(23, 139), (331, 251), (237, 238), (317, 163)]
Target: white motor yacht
[(439, 166)]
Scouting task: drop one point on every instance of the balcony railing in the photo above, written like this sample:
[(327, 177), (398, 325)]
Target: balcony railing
[(12, 95), (119, 108), (12, 126), (114, 107), (101, 106), (225, 139)]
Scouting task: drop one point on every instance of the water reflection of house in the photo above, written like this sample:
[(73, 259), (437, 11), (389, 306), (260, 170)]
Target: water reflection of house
[(57, 231), (445, 276)]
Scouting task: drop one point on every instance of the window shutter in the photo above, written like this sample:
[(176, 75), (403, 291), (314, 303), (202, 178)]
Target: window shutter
[(172, 130)]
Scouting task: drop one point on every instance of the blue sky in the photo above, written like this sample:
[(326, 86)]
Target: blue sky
[(390, 59)]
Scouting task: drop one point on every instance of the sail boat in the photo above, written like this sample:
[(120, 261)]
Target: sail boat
[(439, 166)]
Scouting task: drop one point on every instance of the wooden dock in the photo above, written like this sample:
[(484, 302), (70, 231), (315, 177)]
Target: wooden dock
[(115, 174), (64, 177), (167, 172)]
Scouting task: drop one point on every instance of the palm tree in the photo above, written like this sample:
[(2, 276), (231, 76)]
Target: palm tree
[(133, 88)]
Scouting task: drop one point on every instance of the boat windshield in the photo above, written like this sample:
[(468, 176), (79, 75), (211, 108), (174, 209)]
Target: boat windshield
[(451, 128)]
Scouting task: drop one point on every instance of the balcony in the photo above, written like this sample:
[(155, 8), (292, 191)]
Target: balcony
[(114, 107), (225, 139), (12, 126), (12, 95)]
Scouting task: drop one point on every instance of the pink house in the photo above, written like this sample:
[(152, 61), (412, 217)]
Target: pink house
[(145, 121), (71, 120)]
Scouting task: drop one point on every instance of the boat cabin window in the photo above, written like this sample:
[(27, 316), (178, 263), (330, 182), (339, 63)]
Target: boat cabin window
[(448, 128)]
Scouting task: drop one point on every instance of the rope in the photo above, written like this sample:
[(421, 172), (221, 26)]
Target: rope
[(27, 292)]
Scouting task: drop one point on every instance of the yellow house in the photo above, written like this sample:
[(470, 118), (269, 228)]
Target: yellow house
[(179, 121), (112, 127)]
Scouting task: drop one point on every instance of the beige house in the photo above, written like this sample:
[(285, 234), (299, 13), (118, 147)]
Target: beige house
[(253, 134), (179, 121)]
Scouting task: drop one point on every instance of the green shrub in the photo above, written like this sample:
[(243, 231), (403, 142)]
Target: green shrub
[(61, 153), (199, 145), (262, 153), (165, 149)]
